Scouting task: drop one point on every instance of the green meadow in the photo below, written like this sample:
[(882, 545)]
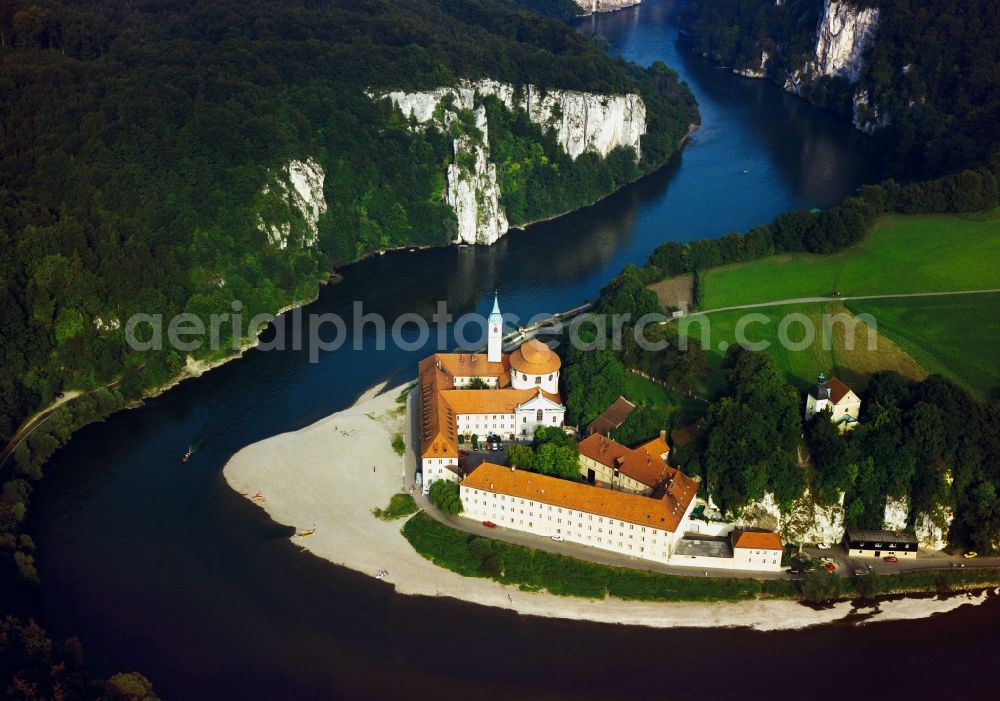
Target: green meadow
[(642, 392), (851, 350), (955, 336), (902, 253)]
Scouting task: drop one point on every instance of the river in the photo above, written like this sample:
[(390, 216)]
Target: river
[(159, 567)]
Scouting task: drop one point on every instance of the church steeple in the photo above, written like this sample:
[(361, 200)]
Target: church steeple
[(494, 346)]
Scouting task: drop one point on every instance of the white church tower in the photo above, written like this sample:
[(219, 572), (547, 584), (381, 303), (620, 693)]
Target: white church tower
[(494, 347)]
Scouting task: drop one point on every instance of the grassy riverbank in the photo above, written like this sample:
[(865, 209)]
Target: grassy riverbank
[(537, 570), (476, 556)]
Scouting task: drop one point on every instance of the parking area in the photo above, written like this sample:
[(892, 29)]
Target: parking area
[(469, 460)]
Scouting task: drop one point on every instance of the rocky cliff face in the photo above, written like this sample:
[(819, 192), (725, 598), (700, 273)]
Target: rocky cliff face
[(845, 33), (473, 191), (866, 114), (759, 72), (297, 194), (895, 513), (590, 7), (931, 529), (582, 122), (807, 522)]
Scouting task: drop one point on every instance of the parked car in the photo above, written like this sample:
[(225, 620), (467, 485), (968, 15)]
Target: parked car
[(971, 554), (496, 445), (60, 395), (463, 451), (826, 560), (558, 538), (891, 558), (822, 546), (489, 524), (859, 571), (794, 571), (830, 567)]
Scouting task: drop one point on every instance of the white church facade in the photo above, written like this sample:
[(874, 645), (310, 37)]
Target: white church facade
[(521, 393), (836, 397)]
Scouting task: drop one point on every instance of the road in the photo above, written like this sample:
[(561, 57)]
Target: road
[(813, 300), (926, 560), (34, 422)]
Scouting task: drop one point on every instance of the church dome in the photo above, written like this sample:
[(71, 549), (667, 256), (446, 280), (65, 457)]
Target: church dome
[(534, 358)]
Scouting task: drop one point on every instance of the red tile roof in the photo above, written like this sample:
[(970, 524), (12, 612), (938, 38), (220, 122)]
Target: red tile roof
[(756, 540), (612, 417), (534, 358), (643, 464), (664, 513), (838, 390)]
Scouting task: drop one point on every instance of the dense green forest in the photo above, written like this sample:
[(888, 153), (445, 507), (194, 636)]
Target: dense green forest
[(143, 143), (932, 69), (928, 442), (137, 138)]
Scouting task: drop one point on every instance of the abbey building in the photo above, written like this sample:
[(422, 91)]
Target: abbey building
[(493, 394)]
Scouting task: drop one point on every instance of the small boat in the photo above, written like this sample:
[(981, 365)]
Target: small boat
[(186, 456), (303, 534)]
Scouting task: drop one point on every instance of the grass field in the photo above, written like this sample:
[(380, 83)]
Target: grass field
[(675, 292), (957, 337), (400, 505), (922, 253), (833, 347), (642, 392)]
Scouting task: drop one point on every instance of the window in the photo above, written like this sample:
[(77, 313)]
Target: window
[(538, 380), (538, 415)]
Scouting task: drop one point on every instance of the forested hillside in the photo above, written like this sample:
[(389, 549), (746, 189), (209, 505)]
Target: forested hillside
[(136, 139), (926, 77)]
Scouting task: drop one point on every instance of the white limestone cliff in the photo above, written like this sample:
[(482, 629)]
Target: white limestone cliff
[(300, 187), (807, 522), (793, 82), (844, 34), (895, 513), (760, 72), (591, 7), (866, 114), (581, 122), (932, 529), (473, 192)]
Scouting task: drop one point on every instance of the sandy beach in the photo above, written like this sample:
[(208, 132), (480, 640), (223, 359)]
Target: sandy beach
[(330, 475)]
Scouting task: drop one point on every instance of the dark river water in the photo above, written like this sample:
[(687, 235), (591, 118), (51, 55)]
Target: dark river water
[(161, 568)]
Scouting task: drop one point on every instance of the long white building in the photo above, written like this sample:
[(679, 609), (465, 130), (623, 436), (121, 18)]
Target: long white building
[(630, 524)]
